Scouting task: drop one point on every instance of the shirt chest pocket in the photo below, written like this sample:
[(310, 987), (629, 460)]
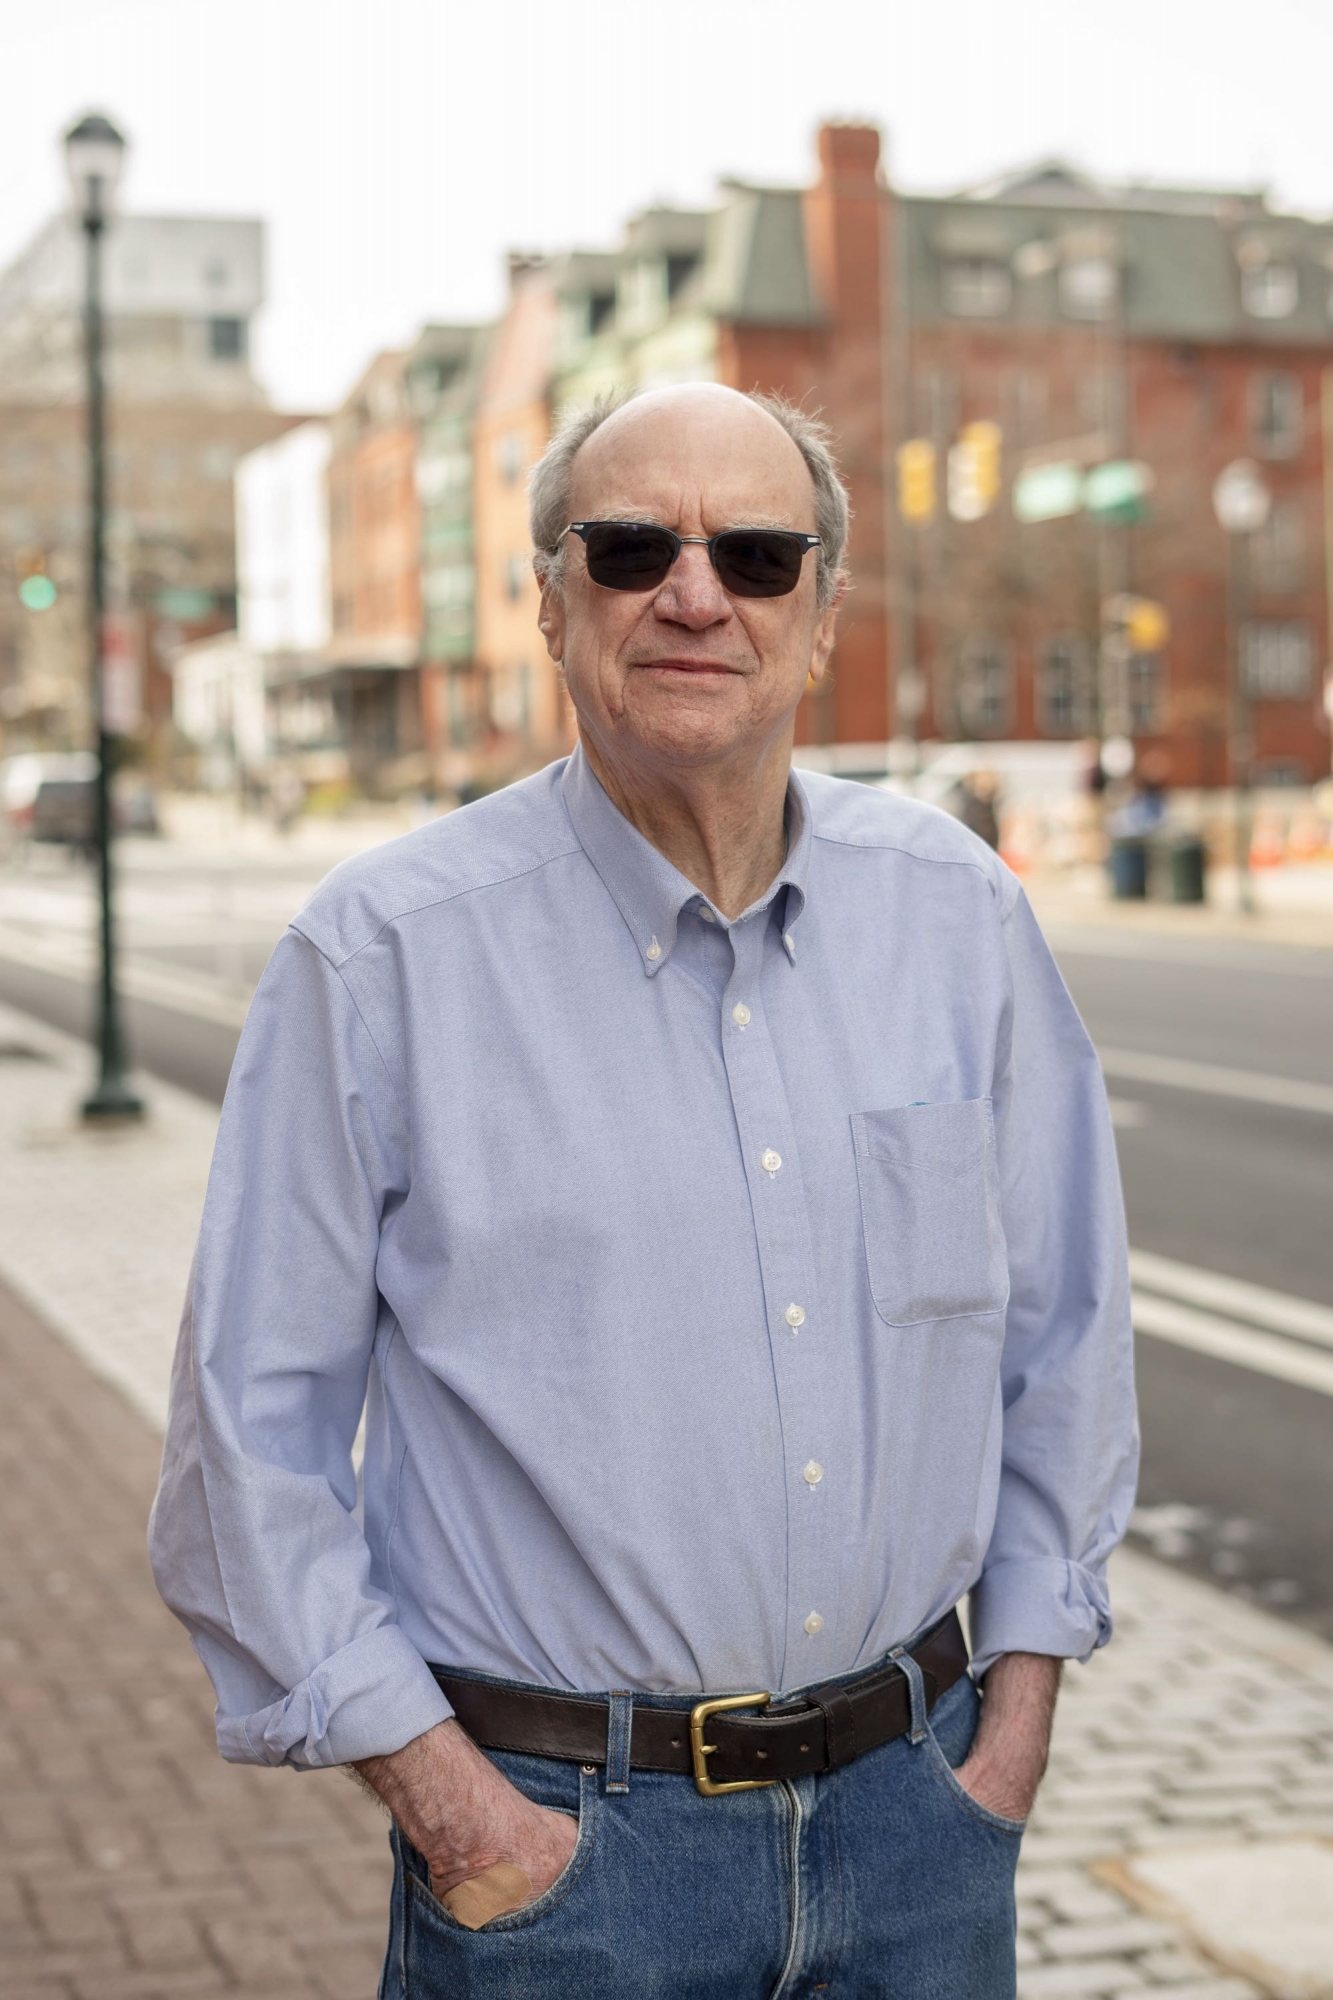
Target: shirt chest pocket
[(930, 1210)]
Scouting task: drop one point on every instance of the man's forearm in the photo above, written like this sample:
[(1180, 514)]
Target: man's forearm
[(1008, 1756), (462, 1813)]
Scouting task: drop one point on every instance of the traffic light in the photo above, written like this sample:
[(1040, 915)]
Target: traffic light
[(974, 471), (916, 481), (1143, 622), (36, 590)]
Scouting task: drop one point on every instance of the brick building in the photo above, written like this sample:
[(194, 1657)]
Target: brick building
[(1092, 326), (1174, 329), (525, 711)]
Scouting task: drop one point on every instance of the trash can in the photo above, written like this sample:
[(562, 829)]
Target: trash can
[(1129, 867), (1185, 868)]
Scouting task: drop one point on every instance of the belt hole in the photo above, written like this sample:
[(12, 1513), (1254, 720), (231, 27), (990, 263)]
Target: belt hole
[(761, 1754), (675, 1742), (805, 1746)]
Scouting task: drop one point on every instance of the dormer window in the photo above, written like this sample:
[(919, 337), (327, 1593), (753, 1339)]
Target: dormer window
[(1088, 287), (1270, 291), (680, 268), (977, 287)]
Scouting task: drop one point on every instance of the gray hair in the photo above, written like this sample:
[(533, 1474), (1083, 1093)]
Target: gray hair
[(552, 476)]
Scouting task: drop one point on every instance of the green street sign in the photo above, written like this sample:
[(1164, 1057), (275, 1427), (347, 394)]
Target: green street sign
[(1117, 492), (189, 607), (1048, 492)]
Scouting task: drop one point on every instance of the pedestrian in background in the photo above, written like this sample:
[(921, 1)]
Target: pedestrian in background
[(976, 804), (699, 1173)]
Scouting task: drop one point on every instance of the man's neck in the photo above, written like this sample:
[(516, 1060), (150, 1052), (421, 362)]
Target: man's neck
[(725, 831)]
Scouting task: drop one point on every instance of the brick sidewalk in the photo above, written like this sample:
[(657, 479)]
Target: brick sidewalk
[(133, 1862)]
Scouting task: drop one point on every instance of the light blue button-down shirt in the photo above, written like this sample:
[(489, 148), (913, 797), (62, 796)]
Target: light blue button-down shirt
[(727, 1299)]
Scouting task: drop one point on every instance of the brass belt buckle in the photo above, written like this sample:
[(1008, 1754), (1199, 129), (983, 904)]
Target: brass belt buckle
[(701, 1751)]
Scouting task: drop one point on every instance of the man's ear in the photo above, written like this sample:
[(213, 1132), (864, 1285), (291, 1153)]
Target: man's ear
[(825, 632), (551, 622)]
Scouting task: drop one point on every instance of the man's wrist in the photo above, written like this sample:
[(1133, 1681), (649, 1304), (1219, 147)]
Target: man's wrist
[(1005, 1765)]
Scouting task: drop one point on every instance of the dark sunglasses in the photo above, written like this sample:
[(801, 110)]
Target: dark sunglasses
[(637, 555)]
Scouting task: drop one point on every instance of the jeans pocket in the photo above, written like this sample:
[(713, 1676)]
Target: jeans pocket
[(418, 1874), (961, 1796), (930, 1212)]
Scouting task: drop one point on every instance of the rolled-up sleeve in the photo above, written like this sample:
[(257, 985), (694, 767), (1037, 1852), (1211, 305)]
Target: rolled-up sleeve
[(255, 1539), (1070, 1438)]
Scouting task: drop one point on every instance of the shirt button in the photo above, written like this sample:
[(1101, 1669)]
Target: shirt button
[(740, 1014), (795, 1316), (709, 916), (812, 1473), (654, 951), (814, 1623), (770, 1161), (789, 940)]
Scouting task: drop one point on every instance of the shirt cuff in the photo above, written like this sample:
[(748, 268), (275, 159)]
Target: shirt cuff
[(366, 1700), (1043, 1605)]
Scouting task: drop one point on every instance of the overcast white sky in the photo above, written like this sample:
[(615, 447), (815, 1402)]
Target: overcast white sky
[(397, 148)]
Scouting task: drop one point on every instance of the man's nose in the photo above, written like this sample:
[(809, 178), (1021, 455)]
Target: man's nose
[(692, 595)]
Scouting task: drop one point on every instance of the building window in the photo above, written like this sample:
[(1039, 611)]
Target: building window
[(1143, 688), (983, 688), (977, 287), (1276, 659), (1277, 551), (1064, 691), (1088, 287), (226, 339), (601, 311), (510, 457), (516, 573), (1270, 291), (680, 268), (1277, 414)]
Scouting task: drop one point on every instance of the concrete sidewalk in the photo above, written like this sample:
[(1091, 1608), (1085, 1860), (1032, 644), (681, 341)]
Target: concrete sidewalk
[(1293, 906), (1183, 1842)]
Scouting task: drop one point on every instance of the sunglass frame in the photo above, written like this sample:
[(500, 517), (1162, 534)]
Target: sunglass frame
[(709, 542)]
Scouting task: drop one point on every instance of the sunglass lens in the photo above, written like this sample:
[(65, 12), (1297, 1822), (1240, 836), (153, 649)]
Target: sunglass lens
[(758, 562), (625, 556)]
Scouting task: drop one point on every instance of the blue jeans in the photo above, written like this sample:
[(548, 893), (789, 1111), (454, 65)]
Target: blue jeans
[(880, 1881)]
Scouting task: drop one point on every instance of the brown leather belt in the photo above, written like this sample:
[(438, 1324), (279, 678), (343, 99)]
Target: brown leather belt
[(818, 1730)]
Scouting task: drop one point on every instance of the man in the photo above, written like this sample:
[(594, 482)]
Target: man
[(702, 1178)]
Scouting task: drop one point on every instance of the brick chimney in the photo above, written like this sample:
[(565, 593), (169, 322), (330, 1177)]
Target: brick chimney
[(844, 224), (847, 228)]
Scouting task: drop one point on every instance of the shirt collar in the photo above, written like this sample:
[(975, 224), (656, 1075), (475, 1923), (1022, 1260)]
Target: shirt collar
[(649, 893)]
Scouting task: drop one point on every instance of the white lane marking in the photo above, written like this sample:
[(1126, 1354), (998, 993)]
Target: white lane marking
[(1217, 1080), (1255, 1304), (1268, 1353)]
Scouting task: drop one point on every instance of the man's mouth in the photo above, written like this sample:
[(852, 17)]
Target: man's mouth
[(696, 669)]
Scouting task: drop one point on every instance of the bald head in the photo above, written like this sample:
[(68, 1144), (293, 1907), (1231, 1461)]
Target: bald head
[(743, 446), (660, 422)]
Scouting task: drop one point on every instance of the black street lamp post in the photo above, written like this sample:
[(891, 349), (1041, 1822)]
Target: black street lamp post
[(94, 153)]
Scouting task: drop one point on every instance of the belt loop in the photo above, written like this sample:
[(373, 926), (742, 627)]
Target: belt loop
[(916, 1688), (620, 1724)]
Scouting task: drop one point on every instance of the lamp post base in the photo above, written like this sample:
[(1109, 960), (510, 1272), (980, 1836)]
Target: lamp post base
[(112, 1102)]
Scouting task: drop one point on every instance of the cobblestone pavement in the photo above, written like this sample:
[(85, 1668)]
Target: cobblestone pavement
[(134, 1863)]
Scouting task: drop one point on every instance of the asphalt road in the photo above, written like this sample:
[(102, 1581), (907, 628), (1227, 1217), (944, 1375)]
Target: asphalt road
[(1237, 1479)]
